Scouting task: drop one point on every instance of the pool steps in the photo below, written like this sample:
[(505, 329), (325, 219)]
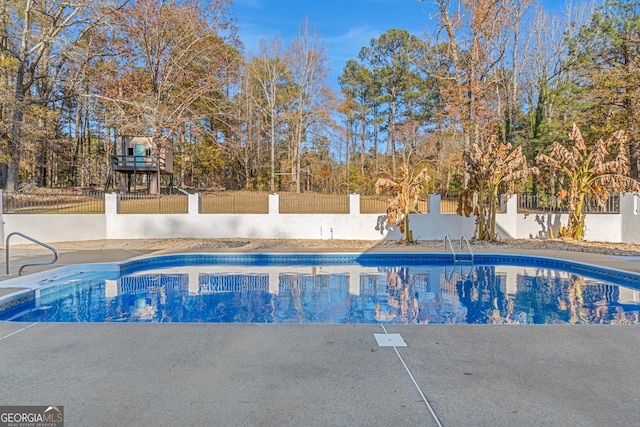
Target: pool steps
[(463, 239)]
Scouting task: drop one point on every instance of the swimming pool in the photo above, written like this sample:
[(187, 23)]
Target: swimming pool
[(390, 288)]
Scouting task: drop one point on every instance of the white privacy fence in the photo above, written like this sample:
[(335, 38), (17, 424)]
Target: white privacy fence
[(620, 227)]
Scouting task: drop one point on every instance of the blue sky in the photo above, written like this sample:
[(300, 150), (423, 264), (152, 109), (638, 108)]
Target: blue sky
[(345, 26)]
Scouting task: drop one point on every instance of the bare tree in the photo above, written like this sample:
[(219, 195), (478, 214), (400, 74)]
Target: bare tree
[(270, 75), (547, 71), (472, 29), (39, 33), (516, 11), (176, 61), (309, 72)]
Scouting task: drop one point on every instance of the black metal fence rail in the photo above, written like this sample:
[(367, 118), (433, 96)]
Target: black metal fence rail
[(234, 203), (89, 202), (311, 203), (379, 205), (551, 203), (153, 204), (373, 204), (92, 202), (448, 204)]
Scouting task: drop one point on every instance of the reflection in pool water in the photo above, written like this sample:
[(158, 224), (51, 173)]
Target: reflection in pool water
[(461, 294)]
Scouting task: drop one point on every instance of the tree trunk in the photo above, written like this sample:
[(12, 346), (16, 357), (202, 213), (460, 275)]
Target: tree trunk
[(273, 149), (363, 136), (633, 159), (575, 226), (391, 137), (14, 147)]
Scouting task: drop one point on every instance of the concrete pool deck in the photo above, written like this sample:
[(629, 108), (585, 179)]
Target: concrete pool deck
[(338, 375)]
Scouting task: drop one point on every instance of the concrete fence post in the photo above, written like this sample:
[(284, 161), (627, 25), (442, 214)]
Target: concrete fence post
[(111, 204), (628, 204), (509, 206), (629, 218), (274, 204), (354, 204), (434, 204), (1, 218), (195, 204), (111, 211)]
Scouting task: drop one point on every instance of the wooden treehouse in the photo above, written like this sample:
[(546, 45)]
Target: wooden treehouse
[(138, 155)]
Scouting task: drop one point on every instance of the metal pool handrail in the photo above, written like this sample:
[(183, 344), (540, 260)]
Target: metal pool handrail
[(464, 238), (447, 239), (55, 253)]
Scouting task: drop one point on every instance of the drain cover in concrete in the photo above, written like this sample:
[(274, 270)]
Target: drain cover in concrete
[(390, 340)]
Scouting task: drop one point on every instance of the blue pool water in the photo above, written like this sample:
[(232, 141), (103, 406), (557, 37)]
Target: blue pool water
[(339, 289)]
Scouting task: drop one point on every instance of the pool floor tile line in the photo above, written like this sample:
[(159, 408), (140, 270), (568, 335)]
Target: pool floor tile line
[(18, 331), (397, 338)]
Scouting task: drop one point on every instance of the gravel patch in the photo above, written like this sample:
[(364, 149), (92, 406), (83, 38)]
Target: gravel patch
[(618, 249)]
